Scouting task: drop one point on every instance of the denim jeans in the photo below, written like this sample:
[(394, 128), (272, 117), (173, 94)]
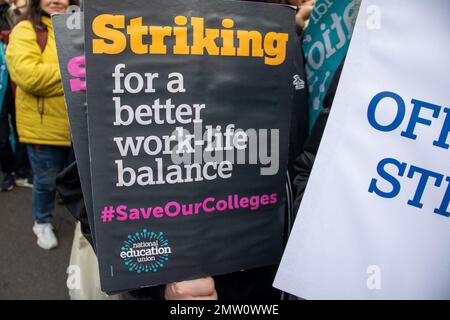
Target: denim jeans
[(46, 162)]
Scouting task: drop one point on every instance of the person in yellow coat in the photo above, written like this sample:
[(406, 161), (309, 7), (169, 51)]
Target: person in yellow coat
[(41, 117)]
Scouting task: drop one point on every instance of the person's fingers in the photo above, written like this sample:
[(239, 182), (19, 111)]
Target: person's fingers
[(213, 296), (197, 287), (174, 292), (299, 3), (305, 11), (309, 3), (305, 8), (169, 292), (302, 17), (193, 288)]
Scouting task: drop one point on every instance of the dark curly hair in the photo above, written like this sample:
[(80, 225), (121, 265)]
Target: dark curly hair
[(35, 13)]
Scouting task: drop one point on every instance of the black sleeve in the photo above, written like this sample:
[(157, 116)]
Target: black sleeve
[(300, 109), (303, 164), (69, 188)]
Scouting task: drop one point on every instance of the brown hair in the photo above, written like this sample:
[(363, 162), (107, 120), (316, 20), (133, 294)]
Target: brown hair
[(35, 13)]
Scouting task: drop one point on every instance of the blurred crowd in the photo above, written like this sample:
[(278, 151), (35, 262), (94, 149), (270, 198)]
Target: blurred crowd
[(34, 125), (13, 156)]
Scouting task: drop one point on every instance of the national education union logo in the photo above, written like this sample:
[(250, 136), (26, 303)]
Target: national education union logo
[(145, 251)]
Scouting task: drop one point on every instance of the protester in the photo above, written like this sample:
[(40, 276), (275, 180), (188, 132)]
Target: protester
[(249, 284), (13, 155), (42, 120)]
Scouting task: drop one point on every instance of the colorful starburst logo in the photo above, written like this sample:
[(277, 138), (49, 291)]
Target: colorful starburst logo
[(145, 251)]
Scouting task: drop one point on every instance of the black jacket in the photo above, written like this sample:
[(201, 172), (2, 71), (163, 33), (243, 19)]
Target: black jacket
[(304, 162)]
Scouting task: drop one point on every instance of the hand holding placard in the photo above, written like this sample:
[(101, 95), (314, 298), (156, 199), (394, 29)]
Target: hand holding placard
[(198, 289)]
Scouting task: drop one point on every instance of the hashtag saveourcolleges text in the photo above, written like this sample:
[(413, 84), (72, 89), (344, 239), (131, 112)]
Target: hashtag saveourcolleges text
[(174, 209)]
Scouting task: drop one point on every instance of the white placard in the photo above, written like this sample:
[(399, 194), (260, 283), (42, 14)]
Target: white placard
[(374, 220)]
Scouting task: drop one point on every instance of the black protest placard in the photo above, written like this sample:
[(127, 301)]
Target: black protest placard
[(188, 118), (69, 36)]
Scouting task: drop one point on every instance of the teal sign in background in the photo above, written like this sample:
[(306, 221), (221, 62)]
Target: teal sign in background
[(325, 44), (3, 74)]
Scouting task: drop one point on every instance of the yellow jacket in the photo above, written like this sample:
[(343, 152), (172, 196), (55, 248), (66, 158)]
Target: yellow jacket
[(41, 115)]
